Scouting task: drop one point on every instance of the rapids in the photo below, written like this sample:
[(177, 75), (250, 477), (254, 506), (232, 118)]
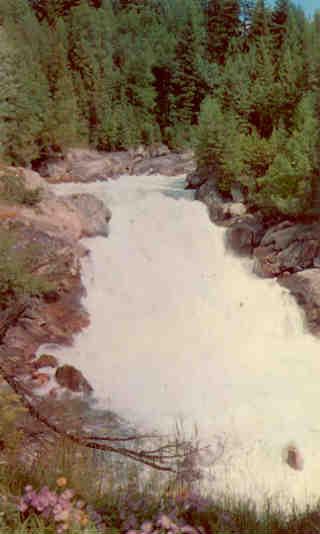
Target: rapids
[(182, 329)]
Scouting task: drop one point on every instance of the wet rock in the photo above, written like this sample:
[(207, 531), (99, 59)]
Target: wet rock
[(93, 214), (305, 286), (287, 247), (46, 360), (71, 378)]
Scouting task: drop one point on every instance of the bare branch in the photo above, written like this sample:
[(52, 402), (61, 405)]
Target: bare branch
[(160, 458)]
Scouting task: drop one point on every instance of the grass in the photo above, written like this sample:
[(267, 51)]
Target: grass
[(120, 492)]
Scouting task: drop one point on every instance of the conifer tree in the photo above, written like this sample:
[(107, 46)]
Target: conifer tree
[(223, 25), (260, 21), (24, 92), (287, 186), (279, 25), (187, 87)]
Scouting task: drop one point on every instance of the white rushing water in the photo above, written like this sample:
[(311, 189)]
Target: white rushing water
[(181, 328)]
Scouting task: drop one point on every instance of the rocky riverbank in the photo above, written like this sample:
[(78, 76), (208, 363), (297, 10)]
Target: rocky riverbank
[(284, 249), (53, 227), (85, 165)]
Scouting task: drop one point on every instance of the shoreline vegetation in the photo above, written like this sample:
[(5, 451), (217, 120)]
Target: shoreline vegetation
[(236, 81)]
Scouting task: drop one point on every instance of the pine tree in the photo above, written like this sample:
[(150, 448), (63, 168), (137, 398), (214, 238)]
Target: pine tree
[(262, 91), (187, 87), (260, 21), (62, 126), (287, 186), (223, 25), (279, 25), (90, 56)]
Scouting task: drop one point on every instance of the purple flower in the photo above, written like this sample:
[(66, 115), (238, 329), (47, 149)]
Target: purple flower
[(23, 507)]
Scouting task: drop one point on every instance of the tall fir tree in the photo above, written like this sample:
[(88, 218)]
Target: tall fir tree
[(223, 25)]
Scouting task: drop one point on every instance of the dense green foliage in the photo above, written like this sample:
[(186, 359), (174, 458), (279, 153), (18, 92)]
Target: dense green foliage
[(117, 73)]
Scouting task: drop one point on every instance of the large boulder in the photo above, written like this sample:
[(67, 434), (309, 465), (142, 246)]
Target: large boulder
[(305, 286), (244, 234), (287, 248), (94, 215), (71, 378)]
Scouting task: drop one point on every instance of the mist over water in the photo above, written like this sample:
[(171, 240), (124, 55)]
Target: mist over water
[(180, 328)]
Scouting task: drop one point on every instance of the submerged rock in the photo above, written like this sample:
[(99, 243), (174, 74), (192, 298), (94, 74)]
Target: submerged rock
[(293, 457), (71, 378), (305, 286)]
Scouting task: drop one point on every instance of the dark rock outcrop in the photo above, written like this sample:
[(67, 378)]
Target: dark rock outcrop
[(244, 234), (287, 247), (71, 378)]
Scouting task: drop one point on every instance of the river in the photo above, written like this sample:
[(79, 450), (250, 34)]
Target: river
[(182, 329)]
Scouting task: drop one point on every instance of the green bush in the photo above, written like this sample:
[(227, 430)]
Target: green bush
[(16, 269)]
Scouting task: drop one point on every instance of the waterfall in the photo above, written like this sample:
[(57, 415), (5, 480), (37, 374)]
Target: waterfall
[(180, 328)]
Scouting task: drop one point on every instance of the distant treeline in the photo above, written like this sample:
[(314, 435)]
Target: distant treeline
[(235, 78)]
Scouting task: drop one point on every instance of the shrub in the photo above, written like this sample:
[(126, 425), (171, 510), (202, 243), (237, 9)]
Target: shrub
[(218, 145), (13, 190), (16, 266)]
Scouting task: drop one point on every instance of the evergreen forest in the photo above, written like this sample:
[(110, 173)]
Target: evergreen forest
[(236, 80)]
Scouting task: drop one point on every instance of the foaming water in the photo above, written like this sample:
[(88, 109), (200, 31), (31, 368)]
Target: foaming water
[(180, 328)]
